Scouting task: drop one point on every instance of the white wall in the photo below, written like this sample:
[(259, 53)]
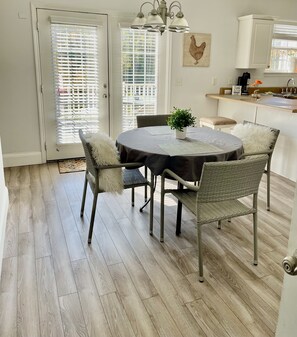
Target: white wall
[(219, 18), (19, 123)]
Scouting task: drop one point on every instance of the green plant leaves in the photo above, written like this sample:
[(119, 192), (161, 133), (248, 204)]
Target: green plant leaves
[(180, 119)]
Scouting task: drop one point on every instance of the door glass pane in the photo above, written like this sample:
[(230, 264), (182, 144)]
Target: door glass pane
[(75, 64), (140, 54)]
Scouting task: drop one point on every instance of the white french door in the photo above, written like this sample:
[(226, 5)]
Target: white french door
[(74, 71)]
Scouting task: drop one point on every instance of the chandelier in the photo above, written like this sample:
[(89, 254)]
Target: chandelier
[(156, 20)]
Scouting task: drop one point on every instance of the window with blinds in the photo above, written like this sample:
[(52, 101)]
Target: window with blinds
[(76, 73), (284, 49), (139, 57)]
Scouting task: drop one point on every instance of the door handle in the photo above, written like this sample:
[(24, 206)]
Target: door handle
[(290, 264)]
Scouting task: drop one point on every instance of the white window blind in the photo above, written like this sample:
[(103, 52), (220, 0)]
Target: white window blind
[(76, 73), (284, 48), (139, 54)]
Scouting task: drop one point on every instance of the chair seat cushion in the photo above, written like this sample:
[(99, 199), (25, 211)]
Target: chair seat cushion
[(133, 178), (255, 138), (218, 120)]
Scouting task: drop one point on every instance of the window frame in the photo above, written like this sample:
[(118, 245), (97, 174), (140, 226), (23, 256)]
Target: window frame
[(165, 62), (268, 71), (137, 78), (73, 52)]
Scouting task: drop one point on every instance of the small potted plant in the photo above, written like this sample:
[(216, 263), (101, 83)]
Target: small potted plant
[(179, 120)]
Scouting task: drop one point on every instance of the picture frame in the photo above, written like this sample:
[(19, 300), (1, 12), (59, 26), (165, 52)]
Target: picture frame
[(236, 89), (196, 50)]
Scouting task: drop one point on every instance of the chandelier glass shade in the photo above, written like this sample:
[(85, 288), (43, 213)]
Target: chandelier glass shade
[(156, 20)]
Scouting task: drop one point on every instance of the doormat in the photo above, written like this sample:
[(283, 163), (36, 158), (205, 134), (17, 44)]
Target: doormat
[(72, 165)]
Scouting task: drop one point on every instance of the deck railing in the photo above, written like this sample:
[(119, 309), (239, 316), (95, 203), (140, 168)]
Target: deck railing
[(138, 99)]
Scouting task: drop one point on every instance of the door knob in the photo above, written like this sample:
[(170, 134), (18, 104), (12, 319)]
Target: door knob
[(104, 95), (290, 264)]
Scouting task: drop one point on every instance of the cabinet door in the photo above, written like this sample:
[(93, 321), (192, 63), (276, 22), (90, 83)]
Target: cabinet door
[(254, 42), (261, 44)]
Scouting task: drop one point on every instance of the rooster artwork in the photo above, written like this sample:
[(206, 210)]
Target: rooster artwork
[(196, 50)]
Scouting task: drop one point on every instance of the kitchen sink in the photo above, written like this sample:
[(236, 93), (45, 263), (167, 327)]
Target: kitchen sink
[(287, 96)]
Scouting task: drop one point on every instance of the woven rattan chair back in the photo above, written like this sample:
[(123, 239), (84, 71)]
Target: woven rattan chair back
[(230, 180), (151, 120), (145, 121)]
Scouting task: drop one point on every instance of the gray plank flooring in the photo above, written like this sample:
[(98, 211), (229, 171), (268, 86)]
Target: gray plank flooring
[(127, 283)]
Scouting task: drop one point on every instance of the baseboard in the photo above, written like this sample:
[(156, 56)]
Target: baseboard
[(21, 159), (3, 217)]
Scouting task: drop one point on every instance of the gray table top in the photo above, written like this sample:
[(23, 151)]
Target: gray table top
[(157, 148)]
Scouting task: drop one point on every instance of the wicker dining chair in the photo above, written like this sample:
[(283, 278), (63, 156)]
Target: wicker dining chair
[(216, 196), (269, 152), (151, 120), (145, 121), (132, 178)]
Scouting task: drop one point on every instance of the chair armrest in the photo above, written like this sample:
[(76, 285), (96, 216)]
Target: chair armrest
[(179, 179), (255, 154)]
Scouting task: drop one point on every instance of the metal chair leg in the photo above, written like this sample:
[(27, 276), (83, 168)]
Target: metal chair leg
[(152, 190), (255, 230), (268, 185), (179, 213), (92, 217), (200, 260), (145, 187), (255, 220), (132, 196), (84, 196), (178, 218), (162, 210)]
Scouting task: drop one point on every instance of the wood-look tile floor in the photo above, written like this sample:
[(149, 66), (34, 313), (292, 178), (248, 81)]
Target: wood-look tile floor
[(127, 283)]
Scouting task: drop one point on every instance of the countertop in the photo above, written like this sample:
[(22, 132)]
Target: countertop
[(289, 105)]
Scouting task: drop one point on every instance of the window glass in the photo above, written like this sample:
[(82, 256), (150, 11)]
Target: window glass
[(284, 49), (76, 73), (139, 56)]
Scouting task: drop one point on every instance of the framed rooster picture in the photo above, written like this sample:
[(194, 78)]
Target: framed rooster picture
[(196, 52)]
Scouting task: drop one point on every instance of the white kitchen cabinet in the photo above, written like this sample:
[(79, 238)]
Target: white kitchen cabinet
[(254, 41)]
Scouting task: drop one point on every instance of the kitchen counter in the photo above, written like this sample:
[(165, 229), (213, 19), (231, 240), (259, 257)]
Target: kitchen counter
[(289, 105), (276, 112)]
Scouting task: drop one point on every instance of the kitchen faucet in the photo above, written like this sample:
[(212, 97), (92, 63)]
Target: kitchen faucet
[(256, 94), (289, 80)]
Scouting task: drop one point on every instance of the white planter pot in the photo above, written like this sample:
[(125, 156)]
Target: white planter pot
[(181, 134)]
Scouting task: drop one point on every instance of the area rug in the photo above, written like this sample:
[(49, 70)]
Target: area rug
[(72, 165)]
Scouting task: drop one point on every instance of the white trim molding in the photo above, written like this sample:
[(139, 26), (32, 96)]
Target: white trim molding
[(3, 216), (22, 158), (3, 208)]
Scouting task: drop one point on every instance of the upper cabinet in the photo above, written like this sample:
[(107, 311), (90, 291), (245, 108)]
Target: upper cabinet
[(254, 41)]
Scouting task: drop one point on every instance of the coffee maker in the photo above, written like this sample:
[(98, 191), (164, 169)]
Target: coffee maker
[(243, 81)]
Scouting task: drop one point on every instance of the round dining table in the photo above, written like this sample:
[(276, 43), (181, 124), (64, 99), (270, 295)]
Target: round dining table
[(158, 148)]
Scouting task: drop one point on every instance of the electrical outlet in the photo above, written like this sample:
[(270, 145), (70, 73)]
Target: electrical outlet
[(179, 82), (214, 80), (230, 81), (22, 15)]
